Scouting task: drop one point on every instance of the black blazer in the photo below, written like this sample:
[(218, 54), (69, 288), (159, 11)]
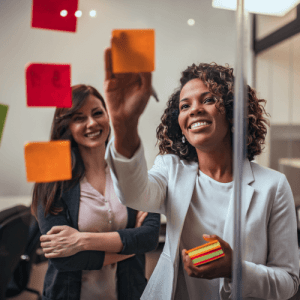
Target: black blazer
[(63, 277)]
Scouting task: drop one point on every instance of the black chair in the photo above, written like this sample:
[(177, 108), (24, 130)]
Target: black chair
[(14, 231)]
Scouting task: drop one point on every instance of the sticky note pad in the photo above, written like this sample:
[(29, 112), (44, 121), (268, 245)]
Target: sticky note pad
[(206, 253), (132, 50), (3, 113), (48, 85), (48, 161), (54, 14)]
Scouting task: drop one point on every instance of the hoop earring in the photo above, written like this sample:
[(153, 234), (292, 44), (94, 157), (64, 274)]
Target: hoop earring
[(183, 139)]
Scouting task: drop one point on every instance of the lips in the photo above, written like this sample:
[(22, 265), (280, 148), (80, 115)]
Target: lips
[(199, 124), (93, 134)]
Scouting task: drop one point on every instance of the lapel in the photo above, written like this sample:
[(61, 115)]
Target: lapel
[(247, 193), (71, 199), (183, 190)]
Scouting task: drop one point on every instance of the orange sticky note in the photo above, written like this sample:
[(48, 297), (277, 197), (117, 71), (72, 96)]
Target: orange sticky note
[(48, 161), (133, 50)]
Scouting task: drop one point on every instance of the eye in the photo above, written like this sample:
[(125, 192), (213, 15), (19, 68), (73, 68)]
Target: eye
[(98, 113), (209, 100), (78, 119), (184, 106)]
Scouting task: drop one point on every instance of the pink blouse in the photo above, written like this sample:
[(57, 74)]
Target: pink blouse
[(98, 213)]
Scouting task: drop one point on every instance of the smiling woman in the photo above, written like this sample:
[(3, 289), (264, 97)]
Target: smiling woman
[(91, 239), (191, 182)]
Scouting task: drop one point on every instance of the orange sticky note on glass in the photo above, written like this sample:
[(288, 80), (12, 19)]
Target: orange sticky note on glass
[(54, 14), (48, 161), (3, 113), (133, 50), (48, 85)]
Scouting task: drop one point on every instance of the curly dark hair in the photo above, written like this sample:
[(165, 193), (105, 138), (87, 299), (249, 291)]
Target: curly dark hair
[(220, 82)]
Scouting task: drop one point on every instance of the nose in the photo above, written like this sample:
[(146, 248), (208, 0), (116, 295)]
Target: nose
[(196, 110), (91, 122)]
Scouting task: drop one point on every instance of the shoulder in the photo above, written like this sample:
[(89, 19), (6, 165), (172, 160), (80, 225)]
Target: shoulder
[(173, 159), (264, 172), (266, 177)]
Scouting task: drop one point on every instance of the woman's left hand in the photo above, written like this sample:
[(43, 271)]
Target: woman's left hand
[(61, 241), (215, 269)]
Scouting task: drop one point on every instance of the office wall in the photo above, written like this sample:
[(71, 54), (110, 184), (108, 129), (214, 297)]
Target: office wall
[(211, 39), (277, 78)]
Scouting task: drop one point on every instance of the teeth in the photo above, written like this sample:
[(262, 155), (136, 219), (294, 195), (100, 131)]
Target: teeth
[(198, 124), (93, 134)]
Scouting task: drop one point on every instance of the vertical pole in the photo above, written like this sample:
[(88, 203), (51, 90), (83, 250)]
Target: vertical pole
[(239, 147)]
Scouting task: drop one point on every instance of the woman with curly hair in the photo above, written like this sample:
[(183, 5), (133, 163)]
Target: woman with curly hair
[(191, 182)]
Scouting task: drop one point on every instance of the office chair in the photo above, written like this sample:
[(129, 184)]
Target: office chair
[(14, 227)]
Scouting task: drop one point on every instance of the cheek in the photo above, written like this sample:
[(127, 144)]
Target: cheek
[(181, 121)]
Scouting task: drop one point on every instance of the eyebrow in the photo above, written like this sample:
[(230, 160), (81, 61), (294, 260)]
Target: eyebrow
[(201, 96), (80, 113)]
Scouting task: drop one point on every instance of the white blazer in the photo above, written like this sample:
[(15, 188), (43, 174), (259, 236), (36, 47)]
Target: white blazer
[(269, 231)]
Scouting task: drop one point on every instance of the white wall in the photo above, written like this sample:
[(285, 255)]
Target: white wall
[(177, 46)]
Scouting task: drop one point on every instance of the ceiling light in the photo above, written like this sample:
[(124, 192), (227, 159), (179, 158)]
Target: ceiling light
[(191, 22), (64, 13), (78, 13), (265, 7), (93, 13)]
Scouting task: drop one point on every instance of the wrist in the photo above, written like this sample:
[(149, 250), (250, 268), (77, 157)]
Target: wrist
[(126, 141), (84, 241)]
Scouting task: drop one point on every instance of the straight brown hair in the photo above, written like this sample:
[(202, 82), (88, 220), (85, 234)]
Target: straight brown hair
[(47, 192)]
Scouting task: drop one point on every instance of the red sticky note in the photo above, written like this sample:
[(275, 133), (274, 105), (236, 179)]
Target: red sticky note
[(54, 14), (48, 161), (133, 50), (48, 85)]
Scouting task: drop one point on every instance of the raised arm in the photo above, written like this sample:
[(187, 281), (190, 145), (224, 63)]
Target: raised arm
[(126, 96)]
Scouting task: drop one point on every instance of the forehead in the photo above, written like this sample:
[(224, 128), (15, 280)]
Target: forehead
[(90, 103), (193, 88)]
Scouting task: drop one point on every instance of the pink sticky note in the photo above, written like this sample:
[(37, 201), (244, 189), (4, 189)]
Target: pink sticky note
[(54, 14), (48, 85)]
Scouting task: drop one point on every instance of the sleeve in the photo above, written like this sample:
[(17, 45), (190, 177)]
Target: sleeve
[(279, 278), (85, 260), (142, 239), (133, 185)]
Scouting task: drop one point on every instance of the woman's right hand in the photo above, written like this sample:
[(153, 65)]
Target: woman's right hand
[(140, 217), (126, 96)]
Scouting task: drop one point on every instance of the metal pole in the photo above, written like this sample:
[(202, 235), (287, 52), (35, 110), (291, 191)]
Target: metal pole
[(239, 148)]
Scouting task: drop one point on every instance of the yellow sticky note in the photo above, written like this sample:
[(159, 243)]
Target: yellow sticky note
[(48, 161), (133, 50)]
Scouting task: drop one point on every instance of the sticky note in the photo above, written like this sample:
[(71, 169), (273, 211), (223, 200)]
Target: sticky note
[(133, 50), (54, 14), (3, 113), (48, 161), (48, 85), (206, 253)]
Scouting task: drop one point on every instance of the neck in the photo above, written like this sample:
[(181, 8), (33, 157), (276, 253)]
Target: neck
[(217, 163), (93, 159)]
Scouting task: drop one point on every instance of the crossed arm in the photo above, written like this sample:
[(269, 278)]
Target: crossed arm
[(65, 241)]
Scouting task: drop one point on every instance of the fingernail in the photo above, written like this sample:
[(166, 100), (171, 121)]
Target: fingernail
[(206, 235)]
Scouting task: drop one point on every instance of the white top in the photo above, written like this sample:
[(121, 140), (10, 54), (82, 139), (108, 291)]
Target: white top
[(98, 213), (206, 214)]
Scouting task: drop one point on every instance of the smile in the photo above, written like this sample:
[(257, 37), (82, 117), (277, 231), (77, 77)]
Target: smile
[(198, 125), (93, 134)]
